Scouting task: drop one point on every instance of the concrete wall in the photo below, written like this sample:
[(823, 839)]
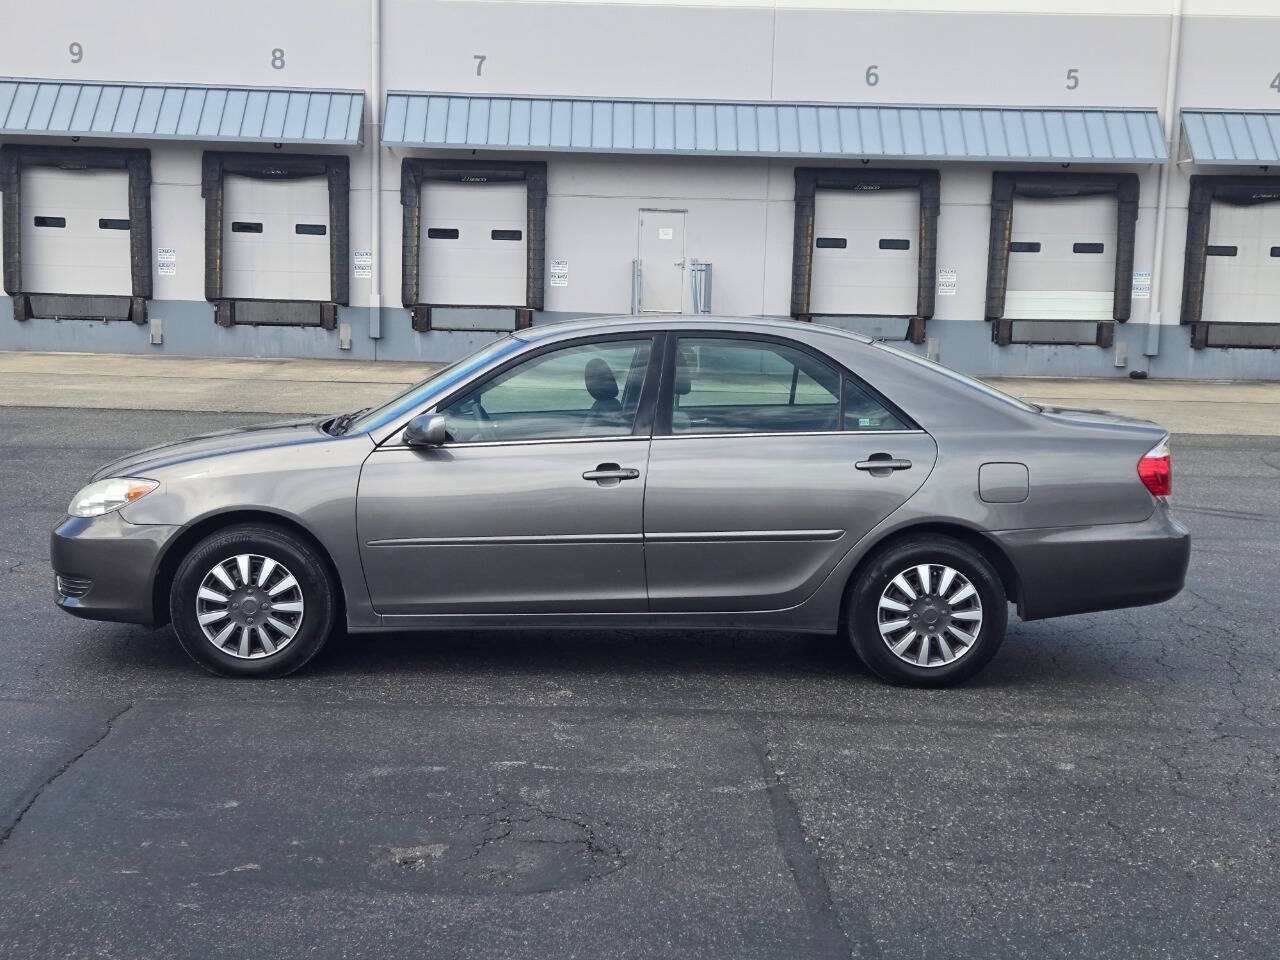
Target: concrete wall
[(740, 211)]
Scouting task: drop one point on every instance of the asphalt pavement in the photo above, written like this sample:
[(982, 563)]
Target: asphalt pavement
[(1106, 788)]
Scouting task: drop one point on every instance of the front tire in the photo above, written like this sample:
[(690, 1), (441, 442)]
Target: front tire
[(927, 612), (252, 600)]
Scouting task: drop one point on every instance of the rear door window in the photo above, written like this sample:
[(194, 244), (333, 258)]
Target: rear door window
[(740, 385)]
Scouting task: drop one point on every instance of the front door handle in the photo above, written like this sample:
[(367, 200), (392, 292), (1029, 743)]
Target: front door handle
[(610, 474), (882, 462)]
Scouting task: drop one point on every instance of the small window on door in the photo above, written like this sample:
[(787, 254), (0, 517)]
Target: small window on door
[(862, 411), (245, 226), (50, 221), (587, 390), (105, 223), (310, 229), (442, 233)]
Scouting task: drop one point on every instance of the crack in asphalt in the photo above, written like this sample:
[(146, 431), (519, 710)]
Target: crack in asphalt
[(831, 938), (7, 831)]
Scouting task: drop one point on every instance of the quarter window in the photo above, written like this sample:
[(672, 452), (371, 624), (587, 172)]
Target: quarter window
[(588, 390), (723, 385)]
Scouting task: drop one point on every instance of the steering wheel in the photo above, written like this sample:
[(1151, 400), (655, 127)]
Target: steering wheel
[(471, 423)]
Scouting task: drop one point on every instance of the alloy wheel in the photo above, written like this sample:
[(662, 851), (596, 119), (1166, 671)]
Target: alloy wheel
[(249, 606), (930, 615)]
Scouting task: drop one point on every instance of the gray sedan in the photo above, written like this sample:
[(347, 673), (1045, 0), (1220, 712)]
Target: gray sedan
[(677, 473)]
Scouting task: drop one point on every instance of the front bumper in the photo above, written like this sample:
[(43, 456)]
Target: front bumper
[(1066, 570), (119, 560)]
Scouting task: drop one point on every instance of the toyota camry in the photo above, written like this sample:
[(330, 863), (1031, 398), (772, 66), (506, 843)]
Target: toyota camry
[(674, 473)]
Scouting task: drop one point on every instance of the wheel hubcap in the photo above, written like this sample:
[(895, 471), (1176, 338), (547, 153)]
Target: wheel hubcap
[(929, 615), (249, 606)]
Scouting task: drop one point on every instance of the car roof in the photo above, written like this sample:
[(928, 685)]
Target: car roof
[(701, 321)]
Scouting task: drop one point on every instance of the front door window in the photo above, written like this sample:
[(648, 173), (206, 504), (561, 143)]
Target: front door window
[(587, 390)]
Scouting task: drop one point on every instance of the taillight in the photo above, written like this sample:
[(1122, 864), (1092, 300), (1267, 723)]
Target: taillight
[(1155, 469)]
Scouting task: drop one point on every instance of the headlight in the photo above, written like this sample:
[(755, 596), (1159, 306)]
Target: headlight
[(107, 495)]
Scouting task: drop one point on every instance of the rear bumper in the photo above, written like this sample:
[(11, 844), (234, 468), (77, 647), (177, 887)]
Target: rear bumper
[(1066, 570), (118, 559)]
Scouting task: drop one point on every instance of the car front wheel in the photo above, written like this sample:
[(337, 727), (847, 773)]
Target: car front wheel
[(252, 601), (928, 612)]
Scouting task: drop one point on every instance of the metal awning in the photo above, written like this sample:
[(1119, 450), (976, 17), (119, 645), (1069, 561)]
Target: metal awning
[(772, 129), (122, 111), (1245, 137)]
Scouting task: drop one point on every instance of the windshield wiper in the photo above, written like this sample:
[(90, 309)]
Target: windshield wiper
[(343, 423)]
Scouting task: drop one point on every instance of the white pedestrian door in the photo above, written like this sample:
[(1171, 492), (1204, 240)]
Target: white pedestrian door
[(1062, 259), (1242, 266), (75, 232), (275, 239), (474, 247), (662, 265), (865, 259)]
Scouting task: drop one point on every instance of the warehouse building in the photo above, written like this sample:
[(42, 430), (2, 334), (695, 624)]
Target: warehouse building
[(1066, 188)]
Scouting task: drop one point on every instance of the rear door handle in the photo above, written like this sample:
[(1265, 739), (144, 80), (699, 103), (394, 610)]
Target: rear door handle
[(883, 463), (609, 474)]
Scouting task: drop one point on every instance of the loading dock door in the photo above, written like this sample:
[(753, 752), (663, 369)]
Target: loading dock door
[(275, 239), (1062, 259), (474, 244), (865, 256), (1242, 264), (75, 232)]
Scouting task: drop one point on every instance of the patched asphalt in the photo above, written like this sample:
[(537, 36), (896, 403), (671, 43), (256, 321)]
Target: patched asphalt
[(1107, 787)]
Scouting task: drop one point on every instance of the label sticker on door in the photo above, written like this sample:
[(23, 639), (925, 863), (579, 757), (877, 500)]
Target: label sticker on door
[(167, 261), (946, 282), (666, 233), (559, 273)]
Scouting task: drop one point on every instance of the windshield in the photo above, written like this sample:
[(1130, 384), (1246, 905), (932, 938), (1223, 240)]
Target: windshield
[(985, 388), (420, 394)]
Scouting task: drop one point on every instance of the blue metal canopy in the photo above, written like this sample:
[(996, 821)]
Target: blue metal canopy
[(121, 111), (1244, 137), (773, 129)]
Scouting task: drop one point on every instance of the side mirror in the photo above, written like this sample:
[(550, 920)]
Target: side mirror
[(426, 430)]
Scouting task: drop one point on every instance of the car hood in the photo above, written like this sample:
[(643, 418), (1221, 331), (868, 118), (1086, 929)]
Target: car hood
[(257, 437)]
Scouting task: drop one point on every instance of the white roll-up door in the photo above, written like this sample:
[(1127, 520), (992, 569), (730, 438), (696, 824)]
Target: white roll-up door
[(1062, 259), (866, 252), (75, 232), (1242, 266), (474, 244), (275, 239)]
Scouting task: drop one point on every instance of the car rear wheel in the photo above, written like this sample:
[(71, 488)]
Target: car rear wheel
[(927, 612), (252, 601)]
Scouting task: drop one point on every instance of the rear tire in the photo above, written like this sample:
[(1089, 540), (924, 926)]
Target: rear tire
[(913, 611), (252, 600)]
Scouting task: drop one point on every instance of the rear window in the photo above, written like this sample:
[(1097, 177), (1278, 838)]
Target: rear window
[(950, 374)]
